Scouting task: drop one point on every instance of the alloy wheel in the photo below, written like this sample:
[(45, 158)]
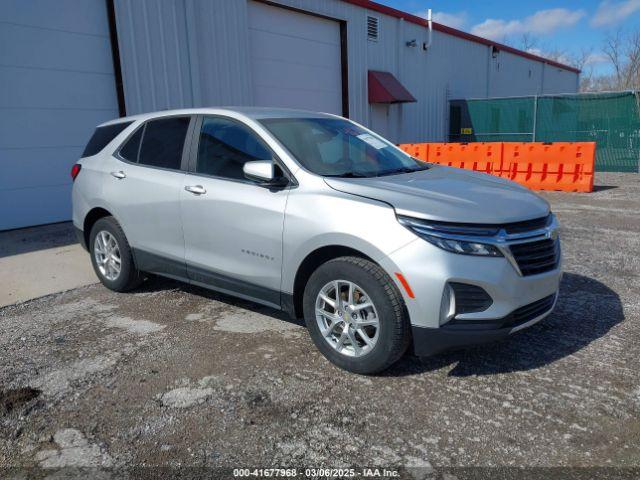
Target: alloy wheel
[(106, 252), (347, 318)]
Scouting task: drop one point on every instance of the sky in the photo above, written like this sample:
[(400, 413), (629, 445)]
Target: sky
[(556, 25)]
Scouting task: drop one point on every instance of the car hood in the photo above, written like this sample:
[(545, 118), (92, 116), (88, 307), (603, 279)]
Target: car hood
[(450, 195)]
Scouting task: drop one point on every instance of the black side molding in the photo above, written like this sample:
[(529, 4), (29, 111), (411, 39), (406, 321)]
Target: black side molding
[(152, 263), (157, 264), (209, 278)]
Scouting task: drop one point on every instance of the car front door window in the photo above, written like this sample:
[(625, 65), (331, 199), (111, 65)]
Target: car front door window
[(225, 146)]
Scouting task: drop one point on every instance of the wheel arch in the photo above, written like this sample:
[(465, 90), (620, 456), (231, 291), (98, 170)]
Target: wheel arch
[(311, 262), (90, 219)]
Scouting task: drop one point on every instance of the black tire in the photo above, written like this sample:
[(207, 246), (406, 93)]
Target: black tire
[(129, 277), (394, 331)]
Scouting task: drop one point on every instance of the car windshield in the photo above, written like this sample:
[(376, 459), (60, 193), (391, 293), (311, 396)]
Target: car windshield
[(334, 147)]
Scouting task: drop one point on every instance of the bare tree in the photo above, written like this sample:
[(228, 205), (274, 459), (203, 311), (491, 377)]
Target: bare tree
[(581, 59), (612, 48), (633, 56), (557, 55), (528, 42), (623, 51)]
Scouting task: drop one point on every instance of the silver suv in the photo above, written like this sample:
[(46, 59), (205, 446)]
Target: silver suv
[(318, 216)]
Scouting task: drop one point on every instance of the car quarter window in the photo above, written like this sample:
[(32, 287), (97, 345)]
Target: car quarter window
[(102, 136), (131, 148), (162, 142), (225, 146)]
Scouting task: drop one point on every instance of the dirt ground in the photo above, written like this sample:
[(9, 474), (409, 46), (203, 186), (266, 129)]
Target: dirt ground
[(175, 376)]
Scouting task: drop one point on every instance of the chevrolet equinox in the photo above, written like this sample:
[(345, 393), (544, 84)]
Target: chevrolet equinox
[(318, 216)]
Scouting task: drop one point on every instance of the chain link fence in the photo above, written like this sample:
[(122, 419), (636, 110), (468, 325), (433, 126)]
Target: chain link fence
[(612, 120)]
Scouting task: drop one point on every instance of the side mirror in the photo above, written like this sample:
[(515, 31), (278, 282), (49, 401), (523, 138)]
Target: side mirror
[(263, 171)]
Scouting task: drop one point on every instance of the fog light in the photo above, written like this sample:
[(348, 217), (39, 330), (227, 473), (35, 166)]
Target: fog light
[(447, 305)]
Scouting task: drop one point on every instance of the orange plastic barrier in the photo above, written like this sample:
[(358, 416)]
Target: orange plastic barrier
[(564, 166), (417, 150), (479, 157)]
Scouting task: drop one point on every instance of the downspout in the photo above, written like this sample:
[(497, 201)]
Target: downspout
[(425, 46), (489, 65), (399, 64)]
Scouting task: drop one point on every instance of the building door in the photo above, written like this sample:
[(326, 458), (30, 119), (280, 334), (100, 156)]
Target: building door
[(295, 59), (56, 72)]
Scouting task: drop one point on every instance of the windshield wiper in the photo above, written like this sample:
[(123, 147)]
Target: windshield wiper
[(349, 175), (402, 170)]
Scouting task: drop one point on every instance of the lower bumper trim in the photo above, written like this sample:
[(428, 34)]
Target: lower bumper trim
[(431, 341)]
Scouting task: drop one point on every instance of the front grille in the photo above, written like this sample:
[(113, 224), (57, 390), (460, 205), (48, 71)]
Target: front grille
[(528, 312), (536, 257), (470, 298), (527, 225)]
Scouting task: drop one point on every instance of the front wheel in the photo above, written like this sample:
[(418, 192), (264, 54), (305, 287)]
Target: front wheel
[(355, 315)]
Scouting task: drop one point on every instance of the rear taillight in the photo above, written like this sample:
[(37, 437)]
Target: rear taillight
[(75, 170)]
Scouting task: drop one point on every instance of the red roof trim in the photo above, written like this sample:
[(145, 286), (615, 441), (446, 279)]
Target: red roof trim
[(455, 32)]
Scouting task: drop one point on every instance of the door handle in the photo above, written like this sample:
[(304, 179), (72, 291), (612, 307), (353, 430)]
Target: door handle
[(119, 174), (196, 189)]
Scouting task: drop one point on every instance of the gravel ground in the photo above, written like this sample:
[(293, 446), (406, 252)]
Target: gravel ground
[(176, 376)]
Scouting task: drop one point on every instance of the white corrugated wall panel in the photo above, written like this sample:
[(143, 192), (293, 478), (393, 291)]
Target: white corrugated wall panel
[(557, 80), (215, 62), (513, 75), (154, 59), (221, 50), (56, 72)]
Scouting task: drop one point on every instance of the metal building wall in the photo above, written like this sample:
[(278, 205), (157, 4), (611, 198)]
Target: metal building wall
[(513, 75), (557, 80), (57, 83), (178, 53)]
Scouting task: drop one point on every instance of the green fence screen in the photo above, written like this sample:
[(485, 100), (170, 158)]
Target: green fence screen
[(612, 120)]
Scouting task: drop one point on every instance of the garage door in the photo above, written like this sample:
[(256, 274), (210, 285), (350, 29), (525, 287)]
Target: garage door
[(56, 72), (295, 59)]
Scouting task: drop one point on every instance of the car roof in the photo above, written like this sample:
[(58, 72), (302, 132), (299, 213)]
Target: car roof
[(254, 113)]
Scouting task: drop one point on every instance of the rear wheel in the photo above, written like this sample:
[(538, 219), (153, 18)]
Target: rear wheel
[(355, 315), (111, 256)]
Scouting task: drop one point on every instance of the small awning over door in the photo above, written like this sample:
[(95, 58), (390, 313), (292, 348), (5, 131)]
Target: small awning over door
[(385, 88)]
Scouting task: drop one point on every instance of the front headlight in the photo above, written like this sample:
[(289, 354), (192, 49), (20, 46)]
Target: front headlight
[(447, 236)]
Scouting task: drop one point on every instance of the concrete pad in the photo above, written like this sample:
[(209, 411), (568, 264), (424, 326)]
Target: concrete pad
[(42, 260)]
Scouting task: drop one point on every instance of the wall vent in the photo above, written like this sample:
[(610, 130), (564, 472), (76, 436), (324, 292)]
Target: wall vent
[(373, 28)]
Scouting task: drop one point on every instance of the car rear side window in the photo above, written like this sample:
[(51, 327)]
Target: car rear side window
[(131, 148), (225, 146), (163, 141), (102, 136)]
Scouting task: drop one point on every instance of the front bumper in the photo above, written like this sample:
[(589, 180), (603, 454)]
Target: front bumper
[(428, 270), (431, 341)]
